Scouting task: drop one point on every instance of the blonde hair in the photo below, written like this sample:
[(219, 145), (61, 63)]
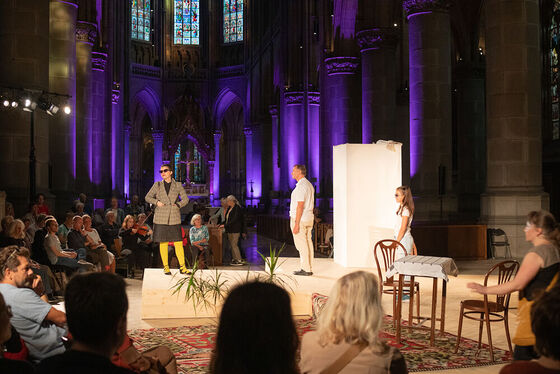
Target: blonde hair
[(126, 219), (13, 227), (194, 217), (353, 313)]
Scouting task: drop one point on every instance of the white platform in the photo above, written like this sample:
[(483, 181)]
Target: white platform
[(158, 300)]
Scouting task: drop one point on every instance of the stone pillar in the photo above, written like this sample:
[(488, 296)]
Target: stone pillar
[(210, 181), (62, 79), (292, 137), (249, 181), (216, 180), (157, 135), (86, 33), (100, 160), (126, 160), (379, 84), (513, 113), (313, 138), (24, 37), (429, 34), (342, 123), (116, 142), (273, 109)]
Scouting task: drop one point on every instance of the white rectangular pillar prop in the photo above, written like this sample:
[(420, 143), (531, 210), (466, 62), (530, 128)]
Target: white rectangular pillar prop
[(365, 177)]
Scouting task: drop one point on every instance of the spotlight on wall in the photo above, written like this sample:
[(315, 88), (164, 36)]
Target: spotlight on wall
[(29, 105), (47, 106), (6, 103), (67, 109), (53, 109), (14, 104)]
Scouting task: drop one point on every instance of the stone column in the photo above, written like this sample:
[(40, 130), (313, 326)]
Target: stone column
[(513, 113), (100, 160), (24, 36), (86, 33), (342, 123), (273, 109), (157, 135), (379, 85), (430, 107), (313, 138), (116, 138), (292, 137), (126, 160), (248, 162), (62, 79), (216, 180), (210, 181)]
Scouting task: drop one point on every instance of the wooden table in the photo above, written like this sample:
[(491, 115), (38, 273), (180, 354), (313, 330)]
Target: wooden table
[(423, 266), (215, 243)]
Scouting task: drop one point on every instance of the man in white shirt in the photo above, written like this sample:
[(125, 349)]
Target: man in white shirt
[(301, 218)]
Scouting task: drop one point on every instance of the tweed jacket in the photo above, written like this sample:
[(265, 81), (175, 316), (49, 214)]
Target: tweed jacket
[(169, 214)]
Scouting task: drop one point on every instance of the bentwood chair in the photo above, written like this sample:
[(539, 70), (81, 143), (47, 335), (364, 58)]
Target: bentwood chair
[(485, 311), (387, 249)]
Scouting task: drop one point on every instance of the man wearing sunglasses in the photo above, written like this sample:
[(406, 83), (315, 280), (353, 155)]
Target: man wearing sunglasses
[(169, 197), (40, 325)]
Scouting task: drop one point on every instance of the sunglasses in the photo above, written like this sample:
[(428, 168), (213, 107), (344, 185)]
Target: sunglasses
[(164, 171)]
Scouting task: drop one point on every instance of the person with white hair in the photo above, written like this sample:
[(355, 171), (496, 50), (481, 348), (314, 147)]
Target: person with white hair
[(199, 236), (347, 336)]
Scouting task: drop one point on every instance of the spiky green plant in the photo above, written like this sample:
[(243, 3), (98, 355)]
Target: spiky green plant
[(272, 263)]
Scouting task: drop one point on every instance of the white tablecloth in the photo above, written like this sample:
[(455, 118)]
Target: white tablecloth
[(424, 266)]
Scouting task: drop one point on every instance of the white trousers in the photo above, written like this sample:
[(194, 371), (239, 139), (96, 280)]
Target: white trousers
[(303, 243)]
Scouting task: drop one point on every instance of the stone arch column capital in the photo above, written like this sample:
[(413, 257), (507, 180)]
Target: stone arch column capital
[(273, 110), (341, 65), (419, 6), (248, 131), (86, 32), (158, 134), (377, 38)]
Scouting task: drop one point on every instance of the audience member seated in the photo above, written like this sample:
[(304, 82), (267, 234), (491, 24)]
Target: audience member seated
[(118, 212), (261, 315), (545, 323), (27, 222), (80, 209), (64, 228), (57, 256), (39, 324), (82, 198), (16, 235), (39, 231), (7, 365), (77, 239), (130, 237), (146, 242), (10, 209), (199, 236), (96, 306), (347, 333), (40, 203), (134, 208), (5, 223), (98, 218), (93, 240), (33, 215), (110, 230)]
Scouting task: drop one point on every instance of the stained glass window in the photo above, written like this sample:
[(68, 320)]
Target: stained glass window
[(233, 21), (176, 159), (555, 69), (186, 26), (197, 166), (141, 19)]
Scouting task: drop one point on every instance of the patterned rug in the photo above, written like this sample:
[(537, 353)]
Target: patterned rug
[(192, 346)]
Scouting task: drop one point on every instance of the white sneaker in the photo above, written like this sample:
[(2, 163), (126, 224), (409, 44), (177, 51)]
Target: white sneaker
[(85, 263)]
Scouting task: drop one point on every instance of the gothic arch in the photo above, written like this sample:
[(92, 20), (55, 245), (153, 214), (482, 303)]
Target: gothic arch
[(147, 100), (225, 99)]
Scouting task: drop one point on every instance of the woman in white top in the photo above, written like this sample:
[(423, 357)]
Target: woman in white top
[(349, 324), (403, 196)]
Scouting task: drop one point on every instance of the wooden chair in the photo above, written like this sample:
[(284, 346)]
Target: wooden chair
[(487, 309), (388, 248)]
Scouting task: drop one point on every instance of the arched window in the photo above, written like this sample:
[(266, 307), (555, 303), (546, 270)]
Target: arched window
[(141, 15), (187, 22), (233, 21), (554, 52)]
